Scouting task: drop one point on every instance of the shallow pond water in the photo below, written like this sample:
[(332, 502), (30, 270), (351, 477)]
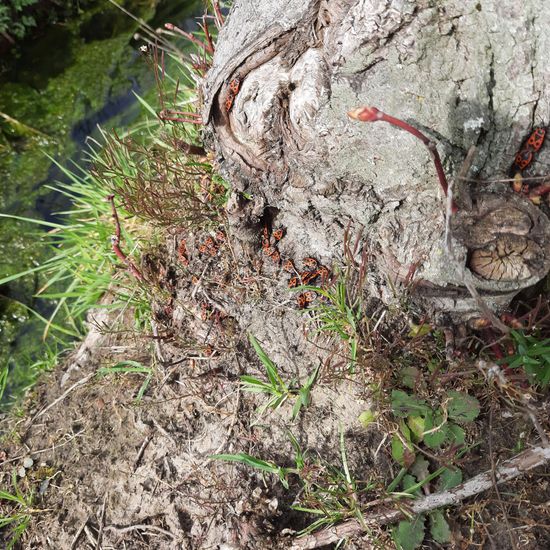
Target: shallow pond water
[(65, 81)]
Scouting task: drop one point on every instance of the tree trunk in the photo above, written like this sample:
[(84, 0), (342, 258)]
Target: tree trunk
[(466, 73)]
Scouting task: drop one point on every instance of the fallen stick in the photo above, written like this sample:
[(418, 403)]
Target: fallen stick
[(509, 470)]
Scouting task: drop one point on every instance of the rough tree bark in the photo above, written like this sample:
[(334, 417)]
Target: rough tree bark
[(464, 72)]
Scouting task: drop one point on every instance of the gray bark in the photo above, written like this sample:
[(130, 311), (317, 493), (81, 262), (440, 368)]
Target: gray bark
[(464, 72)]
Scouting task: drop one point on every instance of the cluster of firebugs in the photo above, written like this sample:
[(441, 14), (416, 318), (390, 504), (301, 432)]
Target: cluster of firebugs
[(312, 272)]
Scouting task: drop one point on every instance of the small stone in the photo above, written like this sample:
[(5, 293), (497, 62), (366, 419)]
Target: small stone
[(43, 487), (239, 508), (273, 504), (28, 462), (21, 472)]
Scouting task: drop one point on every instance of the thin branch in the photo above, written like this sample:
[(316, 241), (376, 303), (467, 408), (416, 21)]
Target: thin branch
[(138, 527), (207, 46), (372, 114), (218, 14)]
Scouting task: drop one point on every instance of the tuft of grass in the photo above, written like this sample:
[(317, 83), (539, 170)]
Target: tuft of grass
[(15, 512), (130, 367), (159, 183), (82, 266), (340, 311), (275, 387), (330, 493), (338, 314), (19, 376)]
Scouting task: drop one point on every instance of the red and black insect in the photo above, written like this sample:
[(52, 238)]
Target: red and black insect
[(308, 277), (526, 154), (523, 159), (310, 262), (288, 266), (275, 256), (182, 253), (229, 102), (301, 300), (294, 282), (323, 272), (536, 139), (209, 246), (278, 234), (234, 87)]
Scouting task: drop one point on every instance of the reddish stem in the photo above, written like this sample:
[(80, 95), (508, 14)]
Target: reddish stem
[(204, 27), (115, 240), (193, 39), (372, 114), (171, 114), (218, 13)]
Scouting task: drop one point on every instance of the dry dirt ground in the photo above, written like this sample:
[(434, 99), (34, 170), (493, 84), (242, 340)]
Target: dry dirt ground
[(112, 470)]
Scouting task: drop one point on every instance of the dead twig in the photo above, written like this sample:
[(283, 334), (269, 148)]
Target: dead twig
[(508, 470), (78, 533), (494, 481), (138, 527)]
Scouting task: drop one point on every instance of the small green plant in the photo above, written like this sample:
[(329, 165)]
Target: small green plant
[(15, 512), (160, 184), (332, 494), (409, 534), (19, 375), (275, 387), (339, 314), (328, 492), (339, 308), (15, 19), (435, 428), (130, 367), (420, 423), (533, 355), (83, 266), (259, 464)]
